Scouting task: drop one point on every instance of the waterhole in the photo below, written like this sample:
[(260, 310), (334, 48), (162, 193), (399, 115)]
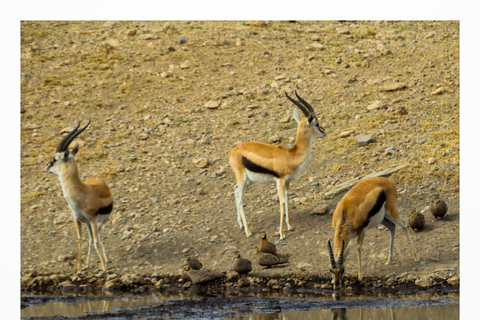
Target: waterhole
[(260, 306)]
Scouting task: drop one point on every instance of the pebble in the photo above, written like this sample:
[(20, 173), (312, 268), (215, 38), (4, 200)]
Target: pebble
[(346, 134), (181, 40), (201, 162), (127, 236), (438, 91), (377, 105), (274, 139), (212, 104), (363, 140), (394, 87)]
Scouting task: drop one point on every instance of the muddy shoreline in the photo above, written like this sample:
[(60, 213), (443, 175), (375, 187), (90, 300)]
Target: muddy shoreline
[(136, 283), (213, 301)]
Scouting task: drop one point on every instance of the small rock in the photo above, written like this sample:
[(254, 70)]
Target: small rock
[(431, 160), (394, 87), (400, 110), (318, 46), (148, 36), (343, 31), (127, 236), (453, 281), (143, 136), (201, 162), (181, 40), (377, 105), (274, 139), (131, 32), (346, 134), (440, 90), (363, 140), (320, 210), (212, 104)]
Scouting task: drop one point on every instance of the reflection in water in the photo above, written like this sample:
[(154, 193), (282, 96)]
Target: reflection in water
[(334, 310)]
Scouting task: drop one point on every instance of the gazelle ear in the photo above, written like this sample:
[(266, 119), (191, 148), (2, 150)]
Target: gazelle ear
[(75, 149), (311, 117), (296, 115), (65, 155)]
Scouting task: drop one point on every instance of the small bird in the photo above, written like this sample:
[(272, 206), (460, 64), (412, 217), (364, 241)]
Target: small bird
[(241, 265), (202, 275), (268, 259), (438, 208), (193, 263), (266, 246), (416, 220)]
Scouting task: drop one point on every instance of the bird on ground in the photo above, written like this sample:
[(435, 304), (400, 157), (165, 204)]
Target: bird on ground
[(438, 208), (202, 275), (193, 263), (266, 246), (241, 265), (416, 220), (268, 259)]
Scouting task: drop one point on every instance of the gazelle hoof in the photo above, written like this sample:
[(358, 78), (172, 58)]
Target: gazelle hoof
[(291, 229)]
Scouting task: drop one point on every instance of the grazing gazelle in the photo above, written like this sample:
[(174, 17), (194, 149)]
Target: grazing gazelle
[(91, 202), (369, 203), (261, 162)]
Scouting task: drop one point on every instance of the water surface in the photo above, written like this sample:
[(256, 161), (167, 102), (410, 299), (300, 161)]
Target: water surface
[(258, 307)]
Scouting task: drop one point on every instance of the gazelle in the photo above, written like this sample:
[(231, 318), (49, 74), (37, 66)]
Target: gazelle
[(261, 162), (91, 201), (369, 203)]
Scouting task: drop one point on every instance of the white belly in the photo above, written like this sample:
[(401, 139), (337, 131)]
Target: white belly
[(259, 177), (377, 218)]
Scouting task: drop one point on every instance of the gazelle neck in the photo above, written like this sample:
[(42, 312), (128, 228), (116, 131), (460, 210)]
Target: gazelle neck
[(303, 143), (70, 181), (341, 236)]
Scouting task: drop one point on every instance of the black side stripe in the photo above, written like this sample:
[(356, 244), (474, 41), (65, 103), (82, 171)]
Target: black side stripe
[(105, 210), (378, 205), (258, 169)]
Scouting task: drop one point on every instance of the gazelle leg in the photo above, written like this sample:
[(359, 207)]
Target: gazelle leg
[(281, 196), (239, 192), (361, 237), (391, 227), (107, 259), (399, 221), (78, 227), (287, 216), (90, 243), (401, 224), (96, 240)]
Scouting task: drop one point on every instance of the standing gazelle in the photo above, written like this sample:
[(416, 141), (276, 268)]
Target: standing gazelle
[(91, 202), (260, 162), (369, 203)]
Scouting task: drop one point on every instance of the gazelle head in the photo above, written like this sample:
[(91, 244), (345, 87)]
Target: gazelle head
[(336, 267), (63, 159), (311, 123)]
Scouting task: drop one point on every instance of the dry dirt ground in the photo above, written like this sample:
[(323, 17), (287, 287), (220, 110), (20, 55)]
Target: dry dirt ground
[(169, 100)]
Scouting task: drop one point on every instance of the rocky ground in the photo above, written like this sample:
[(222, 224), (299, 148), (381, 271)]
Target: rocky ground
[(169, 100)]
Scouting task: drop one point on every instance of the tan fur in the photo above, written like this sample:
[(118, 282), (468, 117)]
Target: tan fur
[(85, 199), (352, 212), (287, 162)]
